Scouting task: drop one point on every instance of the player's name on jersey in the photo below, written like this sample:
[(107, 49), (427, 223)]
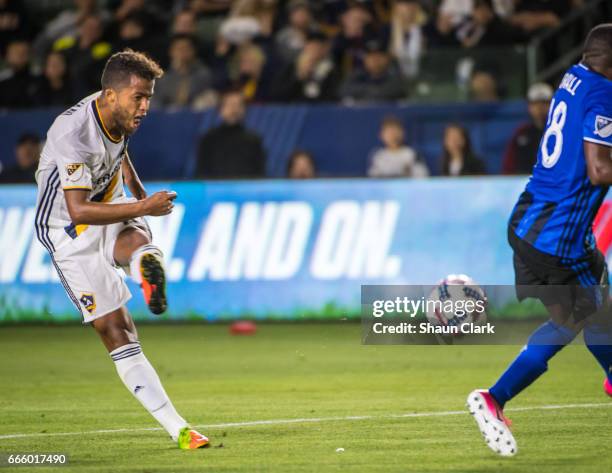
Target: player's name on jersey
[(570, 83)]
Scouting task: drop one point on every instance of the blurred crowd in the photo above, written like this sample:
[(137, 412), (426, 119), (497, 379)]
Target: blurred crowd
[(270, 50), (229, 54), (231, 151)]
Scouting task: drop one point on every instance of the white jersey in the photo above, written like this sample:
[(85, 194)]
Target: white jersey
[(79, 153)]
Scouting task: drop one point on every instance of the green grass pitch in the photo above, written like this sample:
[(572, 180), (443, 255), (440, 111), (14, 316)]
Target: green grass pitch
[(60, 380)]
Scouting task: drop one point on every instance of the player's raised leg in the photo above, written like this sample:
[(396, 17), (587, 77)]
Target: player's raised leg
[(134, 251), (118, 333)]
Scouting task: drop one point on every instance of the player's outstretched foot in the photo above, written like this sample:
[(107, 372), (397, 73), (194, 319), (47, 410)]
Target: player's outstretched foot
[(190, 439), (608, 387), (493, 425), (153, 283)]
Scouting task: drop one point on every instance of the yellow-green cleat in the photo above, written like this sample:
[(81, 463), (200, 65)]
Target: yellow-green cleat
[(190, 439)]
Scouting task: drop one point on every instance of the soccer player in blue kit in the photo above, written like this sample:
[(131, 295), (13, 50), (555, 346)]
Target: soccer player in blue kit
[(550, 231)]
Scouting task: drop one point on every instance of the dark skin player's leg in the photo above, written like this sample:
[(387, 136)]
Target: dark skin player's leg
[(562, 318), (128, 241), (117, 328)]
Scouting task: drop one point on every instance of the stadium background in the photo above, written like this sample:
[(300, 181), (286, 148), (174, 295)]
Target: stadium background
[(270, 246)]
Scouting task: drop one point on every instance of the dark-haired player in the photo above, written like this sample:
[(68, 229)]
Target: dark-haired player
[(90, 227), (550, 231)]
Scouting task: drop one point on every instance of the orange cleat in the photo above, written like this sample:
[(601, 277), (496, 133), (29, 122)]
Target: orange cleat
[(153, 283)]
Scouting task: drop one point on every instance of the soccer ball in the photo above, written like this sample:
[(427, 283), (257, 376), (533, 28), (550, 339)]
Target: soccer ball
[(456, 300)]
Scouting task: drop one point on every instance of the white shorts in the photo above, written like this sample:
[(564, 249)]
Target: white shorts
[(89, 273)]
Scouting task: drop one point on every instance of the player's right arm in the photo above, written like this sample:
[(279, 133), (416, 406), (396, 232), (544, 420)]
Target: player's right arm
[(84, 211), (599, 163), (72, 153)]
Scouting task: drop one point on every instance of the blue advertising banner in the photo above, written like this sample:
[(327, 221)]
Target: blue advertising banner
[(284, 249)]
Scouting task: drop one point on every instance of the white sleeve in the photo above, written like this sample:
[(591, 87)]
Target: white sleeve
[(73, 162)]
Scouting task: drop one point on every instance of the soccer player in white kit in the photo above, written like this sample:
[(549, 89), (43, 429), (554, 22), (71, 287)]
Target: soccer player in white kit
[(90, 228)]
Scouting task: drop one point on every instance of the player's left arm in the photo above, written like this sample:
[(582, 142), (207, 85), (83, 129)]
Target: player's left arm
[(599, 163), (131, 179), (597, 136)]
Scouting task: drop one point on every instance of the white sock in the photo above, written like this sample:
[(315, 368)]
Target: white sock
[(134, 268), (142, 381)]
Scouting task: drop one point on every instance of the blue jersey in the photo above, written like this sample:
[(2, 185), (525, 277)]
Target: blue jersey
[(555, 212)]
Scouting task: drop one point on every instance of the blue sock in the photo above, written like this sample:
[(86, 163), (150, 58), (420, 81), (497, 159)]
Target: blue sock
[(532, 362), (598, 339)]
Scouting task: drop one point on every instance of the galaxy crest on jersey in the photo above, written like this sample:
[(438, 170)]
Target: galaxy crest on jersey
[(555, 212)]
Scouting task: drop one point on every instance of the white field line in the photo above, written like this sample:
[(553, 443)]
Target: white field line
[(309, 420)]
